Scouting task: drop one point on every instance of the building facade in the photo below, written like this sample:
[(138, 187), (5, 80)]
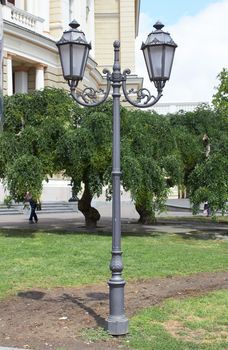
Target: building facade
[(32, 27), (2, 2)]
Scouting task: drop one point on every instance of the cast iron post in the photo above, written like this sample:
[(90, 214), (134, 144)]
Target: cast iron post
[(117, 321)]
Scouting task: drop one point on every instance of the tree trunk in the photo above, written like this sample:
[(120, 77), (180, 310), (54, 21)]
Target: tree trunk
[(146, 215), (84, 205)]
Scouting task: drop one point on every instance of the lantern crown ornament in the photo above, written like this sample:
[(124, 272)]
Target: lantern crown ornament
[(74, 51), (158, 51)]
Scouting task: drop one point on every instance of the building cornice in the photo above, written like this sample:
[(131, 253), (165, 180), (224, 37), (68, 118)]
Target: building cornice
[(36, 38), (28, 35)]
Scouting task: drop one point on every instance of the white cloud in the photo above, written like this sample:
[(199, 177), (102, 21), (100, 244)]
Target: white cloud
[(201, 54)]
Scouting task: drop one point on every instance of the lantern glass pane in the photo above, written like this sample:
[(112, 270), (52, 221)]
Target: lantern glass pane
[(78, 60), (64, 51), (85, 59), (155, 53), (169, 54), (147, 60)]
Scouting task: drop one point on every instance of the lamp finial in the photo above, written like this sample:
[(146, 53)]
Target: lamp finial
[(74, 24), (158, 25)]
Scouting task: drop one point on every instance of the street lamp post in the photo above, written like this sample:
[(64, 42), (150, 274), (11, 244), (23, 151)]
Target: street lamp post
[(158, 52)]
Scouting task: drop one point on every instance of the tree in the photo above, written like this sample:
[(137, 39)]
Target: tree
[(202, 140), (84, 152), (209, 181), (32, 125), (149, 162), (220, 98), (46, 132), (192, 130)]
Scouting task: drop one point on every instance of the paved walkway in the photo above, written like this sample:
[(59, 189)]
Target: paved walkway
[(75, 222)]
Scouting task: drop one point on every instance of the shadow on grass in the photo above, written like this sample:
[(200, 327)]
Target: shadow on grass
[(17, 233), (187, 230), (28, 233), (190, 235), (204, 235)]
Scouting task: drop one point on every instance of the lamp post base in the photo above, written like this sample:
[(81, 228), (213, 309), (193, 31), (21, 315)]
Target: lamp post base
[(117, 322), (117, 325)]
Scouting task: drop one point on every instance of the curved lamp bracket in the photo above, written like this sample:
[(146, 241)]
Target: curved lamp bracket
[(144, 99), (90, 97)]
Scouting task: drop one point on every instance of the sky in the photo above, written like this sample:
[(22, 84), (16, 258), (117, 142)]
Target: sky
[(200, 29)]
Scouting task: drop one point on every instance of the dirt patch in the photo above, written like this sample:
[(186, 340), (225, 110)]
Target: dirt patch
[(52, 319)]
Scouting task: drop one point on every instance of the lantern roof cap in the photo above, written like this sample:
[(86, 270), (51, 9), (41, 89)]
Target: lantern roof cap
[(159, 37), (73, 35)]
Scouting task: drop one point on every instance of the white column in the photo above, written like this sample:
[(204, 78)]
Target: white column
[(90, 26), (21, 81), (9, 76), (20, 4), (39, 77), (41, 8), (77, 12), (30, 6), (47, 15)]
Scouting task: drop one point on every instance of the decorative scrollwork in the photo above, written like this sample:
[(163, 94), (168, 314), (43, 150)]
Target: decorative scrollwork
[(89, 96), (142, 95), (143, 98)]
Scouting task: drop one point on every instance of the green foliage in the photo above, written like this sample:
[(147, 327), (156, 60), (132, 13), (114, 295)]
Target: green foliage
[(33, 124), (8, 200), (25, 174), (220, 99), (209, 182), (84, 150), (204, 175), (189, 129), (149, 161)]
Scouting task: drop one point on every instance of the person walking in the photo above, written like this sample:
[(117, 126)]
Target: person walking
[(206, 209), (33, 206)]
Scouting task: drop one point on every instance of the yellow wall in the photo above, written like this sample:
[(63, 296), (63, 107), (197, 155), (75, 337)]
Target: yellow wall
[(56, 22), (115, 20), (127, 34)]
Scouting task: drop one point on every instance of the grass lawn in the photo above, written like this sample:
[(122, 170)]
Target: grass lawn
[(45, 260), (198, 323)]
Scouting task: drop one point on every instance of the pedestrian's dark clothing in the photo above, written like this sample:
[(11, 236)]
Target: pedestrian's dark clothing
[(206, 206), (33, 206)]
